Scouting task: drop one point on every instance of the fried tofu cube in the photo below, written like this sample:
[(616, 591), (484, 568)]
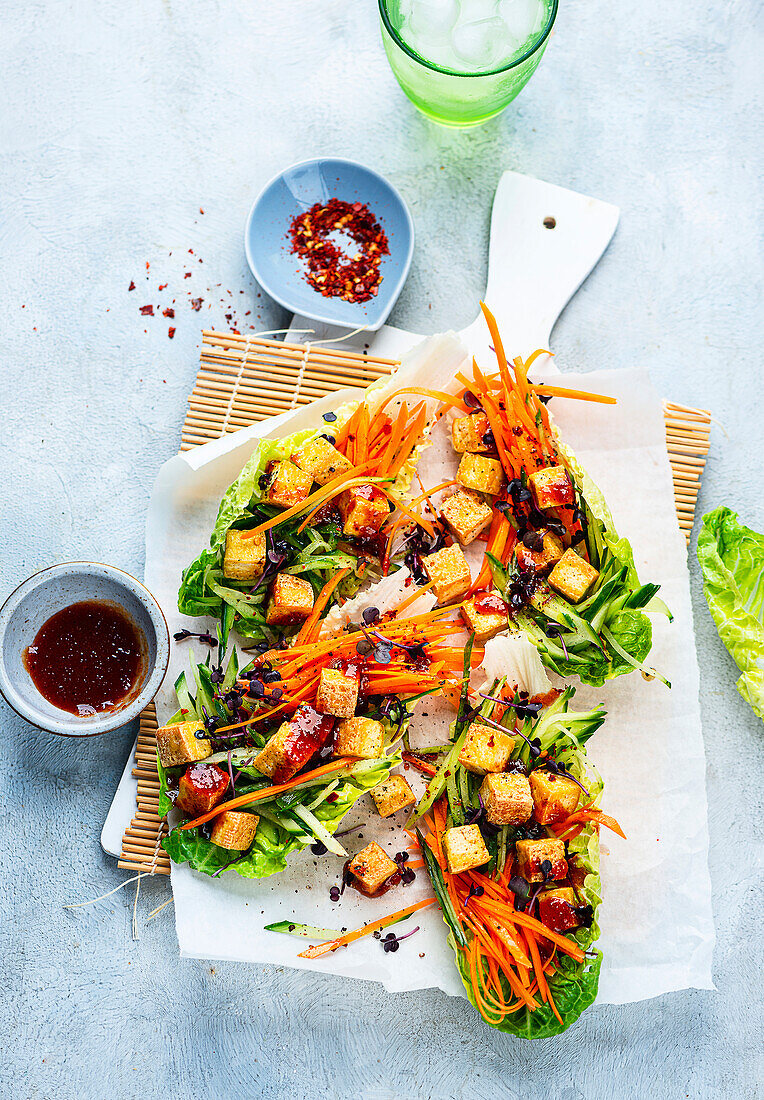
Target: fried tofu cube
[(467, 514), (572, 577), (557, 909), (274, 760), (371, 868), (486, 475), (532, 853), (392, 794), (289, 485), (337, 693), (467, 433), (319, 458), (361, 737), (244, 558), (291, 600), (485, 615), (543, 559), (485, 749), (555, 797), (363, 509), (449, 572), (293, 744), (552, 487), (178, 744), (507, 798), (200, 788), (465, 848), (235, 830)]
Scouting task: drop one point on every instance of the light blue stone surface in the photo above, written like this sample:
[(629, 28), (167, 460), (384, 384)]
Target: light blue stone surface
[(118, 121)]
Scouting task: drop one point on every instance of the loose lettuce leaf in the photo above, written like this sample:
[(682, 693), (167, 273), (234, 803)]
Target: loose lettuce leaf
[(732, 559)]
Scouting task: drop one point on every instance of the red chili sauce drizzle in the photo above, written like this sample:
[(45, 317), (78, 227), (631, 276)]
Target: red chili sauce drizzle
[(309, 732), (87, 658), (488, 603)]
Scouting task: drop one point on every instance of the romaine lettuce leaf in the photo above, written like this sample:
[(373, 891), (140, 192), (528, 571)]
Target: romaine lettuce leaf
[(732, 559)]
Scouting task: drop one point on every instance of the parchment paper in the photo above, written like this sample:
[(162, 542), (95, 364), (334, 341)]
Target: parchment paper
[(656, 919)]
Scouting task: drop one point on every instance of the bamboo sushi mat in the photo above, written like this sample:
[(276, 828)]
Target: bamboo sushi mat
[(245, 379)]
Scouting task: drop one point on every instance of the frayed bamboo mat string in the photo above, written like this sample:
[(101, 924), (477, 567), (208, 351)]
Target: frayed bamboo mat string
[(244, 379)]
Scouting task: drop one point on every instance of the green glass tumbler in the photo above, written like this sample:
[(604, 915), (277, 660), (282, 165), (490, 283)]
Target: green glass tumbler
[(456, 98)]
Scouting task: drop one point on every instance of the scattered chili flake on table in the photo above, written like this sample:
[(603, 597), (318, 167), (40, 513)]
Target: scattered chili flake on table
[(147, 311), (171, 332), (196, 304), (329, 270), (132, 285), (169, 312)]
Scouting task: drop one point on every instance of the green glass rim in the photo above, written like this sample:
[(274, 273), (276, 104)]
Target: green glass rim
[(454, 72)]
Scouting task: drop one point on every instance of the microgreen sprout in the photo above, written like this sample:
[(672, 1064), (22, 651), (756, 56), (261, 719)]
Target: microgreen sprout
[(207, 638)]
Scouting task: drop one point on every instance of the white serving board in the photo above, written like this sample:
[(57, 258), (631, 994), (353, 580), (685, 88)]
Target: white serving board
[(533, 272)]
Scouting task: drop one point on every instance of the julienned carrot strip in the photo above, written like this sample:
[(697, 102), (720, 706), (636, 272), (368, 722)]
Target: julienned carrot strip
[(373, 926), (413, 597), (362, 434), (326, 492), (396, 438), (269, 792), (421, 765), (493, 328), (408, 444), (324, 596), (590, 813), (419, 520), (534, 356), (502, 910), (420, 391), (578, 395)]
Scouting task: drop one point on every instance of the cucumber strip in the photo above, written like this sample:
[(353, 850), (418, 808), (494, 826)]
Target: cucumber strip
[(320, 832), (305, 931), (441, 893)]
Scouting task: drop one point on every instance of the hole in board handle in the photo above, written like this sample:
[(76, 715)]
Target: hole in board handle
[(550, 223)]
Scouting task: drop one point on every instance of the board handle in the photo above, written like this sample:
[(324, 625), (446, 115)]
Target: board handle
[(544, 242)]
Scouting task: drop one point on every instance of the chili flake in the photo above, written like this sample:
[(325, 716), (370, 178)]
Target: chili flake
[(171, 331), (329, 270), (196, 303), (147, 311)]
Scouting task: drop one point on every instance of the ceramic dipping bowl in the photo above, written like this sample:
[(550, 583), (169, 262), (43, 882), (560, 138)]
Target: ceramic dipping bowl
[(43, 595)]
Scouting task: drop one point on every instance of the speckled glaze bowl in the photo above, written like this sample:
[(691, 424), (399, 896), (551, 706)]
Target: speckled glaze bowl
[(43, 595)]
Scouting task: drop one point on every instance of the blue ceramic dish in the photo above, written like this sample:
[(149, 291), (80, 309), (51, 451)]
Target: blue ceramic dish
[(280, 272)]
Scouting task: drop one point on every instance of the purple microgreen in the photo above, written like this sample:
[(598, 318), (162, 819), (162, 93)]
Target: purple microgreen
[(558, 768), (230, 773), (334, 892), (519, 887), (370, 615), (227, 865), (475, 891), (329, 417), (364, 647), (521, 708), (470, 400), (207, 638), (392, 942)]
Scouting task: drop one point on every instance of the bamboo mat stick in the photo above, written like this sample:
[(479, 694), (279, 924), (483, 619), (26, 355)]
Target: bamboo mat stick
[(243, 380)]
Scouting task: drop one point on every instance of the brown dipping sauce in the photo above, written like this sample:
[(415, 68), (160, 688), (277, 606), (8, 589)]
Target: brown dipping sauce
[(87, 658)]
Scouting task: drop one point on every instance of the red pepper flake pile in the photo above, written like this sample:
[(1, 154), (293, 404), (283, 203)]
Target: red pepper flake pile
[(329, 270)]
